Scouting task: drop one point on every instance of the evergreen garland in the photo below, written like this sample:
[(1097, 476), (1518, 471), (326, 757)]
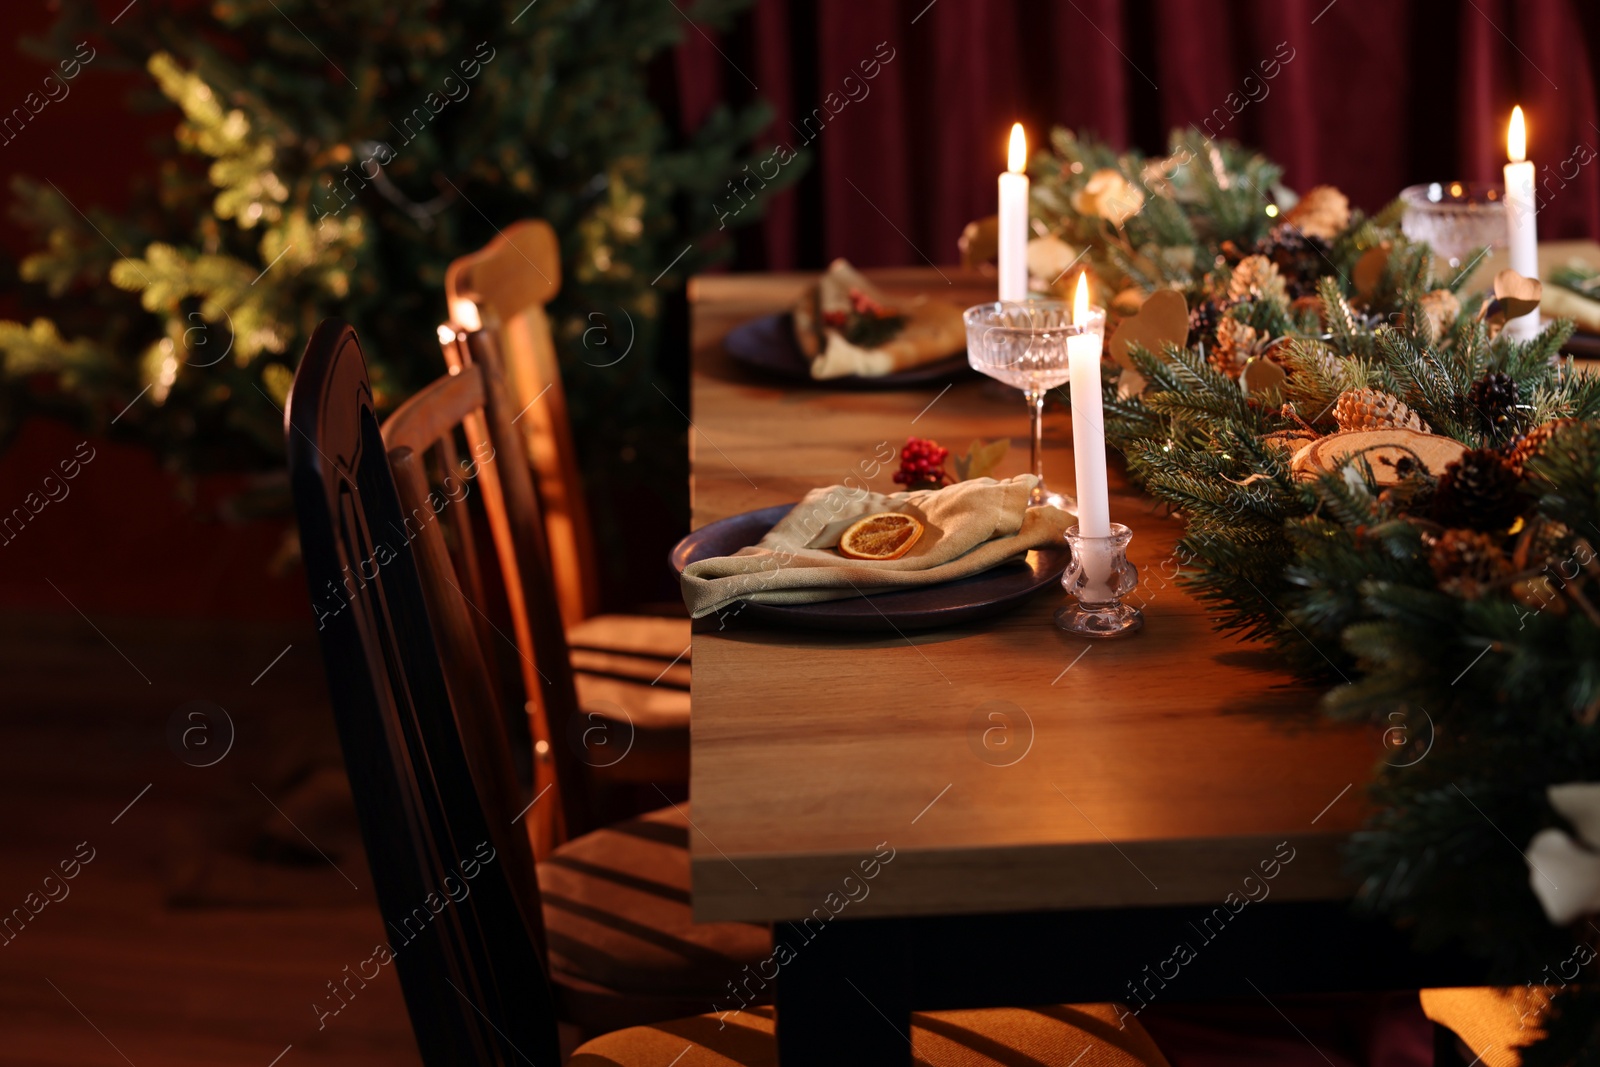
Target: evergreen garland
[(1458, 609)]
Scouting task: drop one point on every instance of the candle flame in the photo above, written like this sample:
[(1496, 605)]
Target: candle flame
[(1018, 161), (1517, 137), (1080, 302), (465, 314)]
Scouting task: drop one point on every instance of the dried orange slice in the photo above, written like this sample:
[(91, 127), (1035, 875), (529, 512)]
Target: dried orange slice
[(886, 536)]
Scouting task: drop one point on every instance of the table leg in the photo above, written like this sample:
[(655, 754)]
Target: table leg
[(844, 995)]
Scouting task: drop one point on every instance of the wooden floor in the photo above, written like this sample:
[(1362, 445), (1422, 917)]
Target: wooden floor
[(205, 927)]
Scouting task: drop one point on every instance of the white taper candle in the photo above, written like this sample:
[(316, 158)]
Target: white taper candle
[(1088, 422), (1013, 236), (1522, 218)]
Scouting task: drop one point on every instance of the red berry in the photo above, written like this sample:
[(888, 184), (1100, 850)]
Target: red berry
[(922, 463)]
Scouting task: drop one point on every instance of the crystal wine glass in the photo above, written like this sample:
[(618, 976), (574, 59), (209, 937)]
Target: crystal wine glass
[(1025, 345)]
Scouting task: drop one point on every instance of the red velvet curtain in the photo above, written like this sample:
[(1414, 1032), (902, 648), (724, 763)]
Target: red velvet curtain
[(1368, 95)]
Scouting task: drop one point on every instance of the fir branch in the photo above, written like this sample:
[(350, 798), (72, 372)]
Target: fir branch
[(1344, 334)]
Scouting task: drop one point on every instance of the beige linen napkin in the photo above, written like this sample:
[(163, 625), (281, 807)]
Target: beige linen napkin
[(933, 330), (967, 528)]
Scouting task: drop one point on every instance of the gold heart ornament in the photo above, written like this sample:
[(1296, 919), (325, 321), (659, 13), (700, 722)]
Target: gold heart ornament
[(1517, 295)]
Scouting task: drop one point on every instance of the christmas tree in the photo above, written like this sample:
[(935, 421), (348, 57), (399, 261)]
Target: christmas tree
[(331, 159)]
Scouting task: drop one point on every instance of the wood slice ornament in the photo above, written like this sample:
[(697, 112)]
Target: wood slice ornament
[(1163, 319), (1382, 449), (1290, 440)]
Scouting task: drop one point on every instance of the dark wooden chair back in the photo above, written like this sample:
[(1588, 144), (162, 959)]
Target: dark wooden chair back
[(467, 937), (468, 413)]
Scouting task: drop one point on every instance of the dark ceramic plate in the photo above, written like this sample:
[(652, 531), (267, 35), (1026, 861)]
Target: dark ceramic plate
[(976, 597), (767, 345)]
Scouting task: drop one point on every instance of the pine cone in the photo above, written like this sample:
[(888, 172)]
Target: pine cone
[(1528, 445), (1479, 490), (1440, 309), (1466, 562), (1323, 212), (1256, 278), (1494, 397), (1370, 409), (1236, 343), (1299, 257), (1203, 324), (1319, 358)]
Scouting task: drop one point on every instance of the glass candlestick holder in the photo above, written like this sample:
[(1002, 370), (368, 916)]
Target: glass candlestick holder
[(1455, 218), (1098, 577)]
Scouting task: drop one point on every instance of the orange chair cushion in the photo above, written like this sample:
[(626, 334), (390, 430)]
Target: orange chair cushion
[(634, 669), (1492, 1022), (616, 912), (647, 636), (1083, 1035), (646, 706), (640, 670)]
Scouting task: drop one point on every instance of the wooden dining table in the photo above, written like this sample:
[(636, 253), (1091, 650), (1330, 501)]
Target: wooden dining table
[(1000, 812)]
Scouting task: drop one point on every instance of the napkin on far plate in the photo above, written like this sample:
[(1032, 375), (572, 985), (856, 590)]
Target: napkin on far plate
[(846, 325), (967, 528)]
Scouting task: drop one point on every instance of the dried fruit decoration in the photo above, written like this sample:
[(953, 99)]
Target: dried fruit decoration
[(880, 537)]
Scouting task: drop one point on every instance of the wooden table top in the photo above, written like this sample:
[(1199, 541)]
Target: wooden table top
[(1163, 768)]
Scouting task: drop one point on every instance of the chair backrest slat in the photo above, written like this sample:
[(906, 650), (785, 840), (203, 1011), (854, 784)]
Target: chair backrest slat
[(459, 522), (466, 936), (510, 280), (473, 400), (480, 717)]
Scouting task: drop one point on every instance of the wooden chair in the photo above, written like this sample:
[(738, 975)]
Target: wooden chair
[(486, 964), (639, 662), (471, 971), (613, 903)]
